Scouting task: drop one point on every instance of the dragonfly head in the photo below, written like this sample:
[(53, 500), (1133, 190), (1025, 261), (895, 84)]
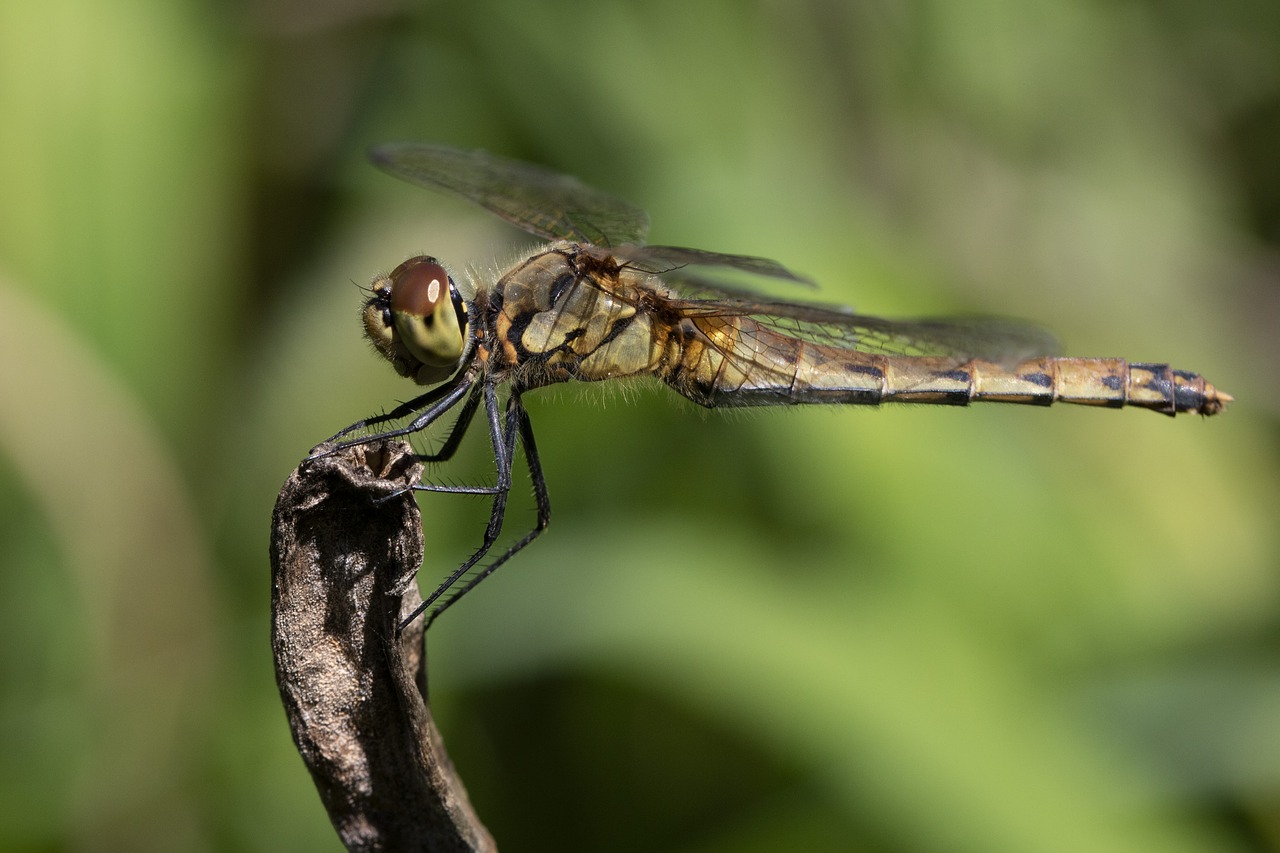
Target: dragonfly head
[(417, 320)]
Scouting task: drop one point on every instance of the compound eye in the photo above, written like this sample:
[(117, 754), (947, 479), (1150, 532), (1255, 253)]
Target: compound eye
[(418, 286), (426, 313)]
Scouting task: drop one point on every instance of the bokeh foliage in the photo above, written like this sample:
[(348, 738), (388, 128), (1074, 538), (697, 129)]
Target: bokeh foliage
[(916, 629)]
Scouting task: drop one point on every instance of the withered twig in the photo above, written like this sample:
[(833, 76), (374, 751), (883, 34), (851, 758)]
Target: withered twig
[(344, 551)]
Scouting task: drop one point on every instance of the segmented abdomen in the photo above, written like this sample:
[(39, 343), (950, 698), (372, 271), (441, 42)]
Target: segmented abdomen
[(737, 362)]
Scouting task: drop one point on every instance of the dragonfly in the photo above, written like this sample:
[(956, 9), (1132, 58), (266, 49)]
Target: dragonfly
[(596, 303)]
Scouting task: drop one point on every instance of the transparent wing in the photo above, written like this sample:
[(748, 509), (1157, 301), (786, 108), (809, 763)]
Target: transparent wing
[(555, 206), (689, 293), (546, 203), (559, 207), (997, 339), (677, 262)]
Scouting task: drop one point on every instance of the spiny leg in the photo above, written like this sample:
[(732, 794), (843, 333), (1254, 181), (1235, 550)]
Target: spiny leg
[(400, 411), (541, 498), (450, 446), (458, 430), (456, 433), (504, 439), (456, 391)]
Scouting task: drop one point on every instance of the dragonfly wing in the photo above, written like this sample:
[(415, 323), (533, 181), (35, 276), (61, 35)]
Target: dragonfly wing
[(678, 260), (546, 203), (995, 339), (688, 292)]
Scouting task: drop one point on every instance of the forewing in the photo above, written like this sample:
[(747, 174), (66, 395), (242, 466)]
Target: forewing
[(546, 203), (680, 263), (995, 339)]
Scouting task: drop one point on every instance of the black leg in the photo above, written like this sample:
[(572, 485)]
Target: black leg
[(540, 496), (504, 439), (458, 430), (439, 406), (450, 446), (504, 428), (456, 433), (400, 411)]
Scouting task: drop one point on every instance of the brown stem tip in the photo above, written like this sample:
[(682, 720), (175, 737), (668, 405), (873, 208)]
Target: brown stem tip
[(345, 537)]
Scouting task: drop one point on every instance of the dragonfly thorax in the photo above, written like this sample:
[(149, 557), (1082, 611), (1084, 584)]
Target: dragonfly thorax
[(417, 320)]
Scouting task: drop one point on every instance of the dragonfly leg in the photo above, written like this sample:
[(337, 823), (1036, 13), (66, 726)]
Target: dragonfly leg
[(400, 411), (450, 446), (458, 430), (439, 406), (456, 433), (540, 496), (503, 437)]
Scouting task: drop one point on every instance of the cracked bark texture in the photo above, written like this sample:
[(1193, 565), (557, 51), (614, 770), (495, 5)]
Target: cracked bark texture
[(346, 543)]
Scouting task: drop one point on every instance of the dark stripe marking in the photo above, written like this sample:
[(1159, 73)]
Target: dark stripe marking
[(860, 369), (562, 283)]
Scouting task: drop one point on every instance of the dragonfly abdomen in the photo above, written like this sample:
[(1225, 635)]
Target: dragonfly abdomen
[(738, 363), (1107, 382)]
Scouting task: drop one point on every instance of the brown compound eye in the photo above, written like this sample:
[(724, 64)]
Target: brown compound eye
[(418, 286), (429, 316)]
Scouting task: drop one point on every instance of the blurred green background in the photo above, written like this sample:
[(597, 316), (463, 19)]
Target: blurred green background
[(918, 629)]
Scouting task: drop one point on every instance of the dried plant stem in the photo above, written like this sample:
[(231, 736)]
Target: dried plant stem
[(345, 546)]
